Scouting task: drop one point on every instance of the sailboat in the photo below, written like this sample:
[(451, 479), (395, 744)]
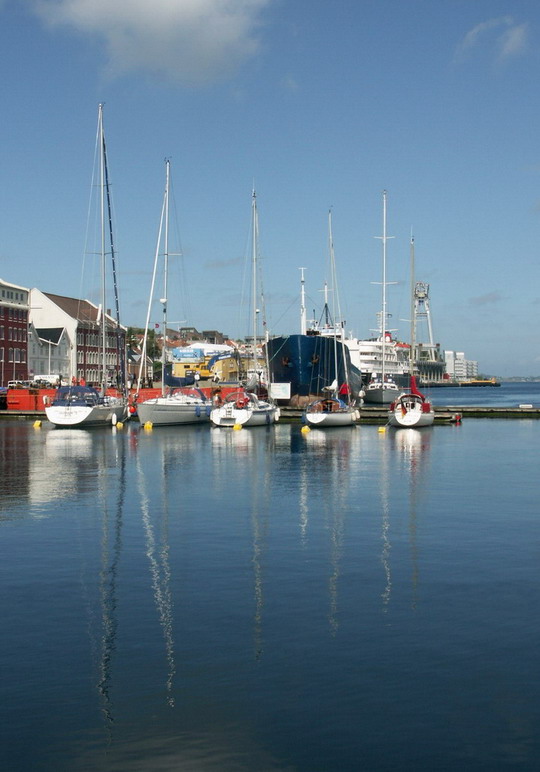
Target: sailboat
[(382, 389), (82, 405), (179, 405), (244, 407), (411, 408), (333, 409)]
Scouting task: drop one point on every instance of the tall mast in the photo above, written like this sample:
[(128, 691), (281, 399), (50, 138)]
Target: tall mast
[(103, 253), (164, 299), (254, 234), (413, 313), (303, 317), (333, 274), (383, 313), (384, 239)]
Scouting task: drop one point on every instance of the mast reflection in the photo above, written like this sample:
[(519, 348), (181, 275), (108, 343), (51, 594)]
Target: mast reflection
[(413, 446), (157, 552), (111, 546)]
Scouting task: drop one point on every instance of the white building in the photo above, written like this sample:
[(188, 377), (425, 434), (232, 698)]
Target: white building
[(459, 368), (78, 334)]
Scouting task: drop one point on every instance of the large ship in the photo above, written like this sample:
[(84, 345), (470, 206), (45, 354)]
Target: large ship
[(308, 365)]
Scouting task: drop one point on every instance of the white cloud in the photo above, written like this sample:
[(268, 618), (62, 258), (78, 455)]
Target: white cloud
[(191, 41), (511, 42), (514, 41)]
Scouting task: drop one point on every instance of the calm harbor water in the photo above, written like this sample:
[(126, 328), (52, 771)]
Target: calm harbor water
[(205, 599)]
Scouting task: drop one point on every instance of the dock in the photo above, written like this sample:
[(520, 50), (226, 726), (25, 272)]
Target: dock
[(369, 414)]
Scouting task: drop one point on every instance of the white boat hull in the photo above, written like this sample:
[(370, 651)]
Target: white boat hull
[(163, 411), (316, 415), (251, 413), (411, 411), (109, 413), (381, 394)]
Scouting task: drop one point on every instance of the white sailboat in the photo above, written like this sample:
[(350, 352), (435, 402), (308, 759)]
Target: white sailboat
[(411, 408), (180, 405), (245, 407), (334, 409), (82, 405), (382, 389)]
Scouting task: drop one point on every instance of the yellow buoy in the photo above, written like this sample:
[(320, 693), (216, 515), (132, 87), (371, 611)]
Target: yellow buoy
[(148, 425), (119, 425), (305, 429), (237, 427), (37, 424), (382, 429)]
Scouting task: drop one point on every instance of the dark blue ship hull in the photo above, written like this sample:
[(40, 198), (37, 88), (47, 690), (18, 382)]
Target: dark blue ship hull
[(308, 364)]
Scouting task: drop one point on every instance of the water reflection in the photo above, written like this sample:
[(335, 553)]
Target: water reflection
[(111, 546), (334, 450), (155, 521), (412, 446)]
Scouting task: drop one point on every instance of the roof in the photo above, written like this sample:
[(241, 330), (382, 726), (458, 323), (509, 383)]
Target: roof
[(81, 310)]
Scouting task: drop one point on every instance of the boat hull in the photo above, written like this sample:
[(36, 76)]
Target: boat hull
[(381, 395), (83, 415), (307, 364), (241, 409), (341, 418), (411, 410), (262, 416), (163, 411)]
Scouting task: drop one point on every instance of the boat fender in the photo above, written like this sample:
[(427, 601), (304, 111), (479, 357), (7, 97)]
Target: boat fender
[(268, 418), (114, 419), (208, 410), (198, 411)]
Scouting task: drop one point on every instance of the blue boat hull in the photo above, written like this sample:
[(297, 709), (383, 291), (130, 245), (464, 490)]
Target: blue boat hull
[(308, 364)]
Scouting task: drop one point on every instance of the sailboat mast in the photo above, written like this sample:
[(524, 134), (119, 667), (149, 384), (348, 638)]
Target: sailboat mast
[(333, 274), (164, 299), (103, 253), (383, 306), (413, 313), (254, 276)]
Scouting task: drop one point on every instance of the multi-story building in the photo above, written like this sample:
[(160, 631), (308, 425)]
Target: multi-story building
[(458, 368), (80, 322), (13, 332), (49, 354)]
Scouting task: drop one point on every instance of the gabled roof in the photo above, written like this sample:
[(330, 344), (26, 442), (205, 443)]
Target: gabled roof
[(82, 310)]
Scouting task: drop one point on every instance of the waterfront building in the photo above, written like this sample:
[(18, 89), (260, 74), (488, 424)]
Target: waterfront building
[(14, 308), (458, 367), (49, 353), (80, 322)]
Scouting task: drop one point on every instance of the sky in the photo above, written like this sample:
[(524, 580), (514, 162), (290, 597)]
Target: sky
[(317, 105)]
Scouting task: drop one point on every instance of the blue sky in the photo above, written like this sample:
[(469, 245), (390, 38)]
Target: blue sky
[(318, 104)]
